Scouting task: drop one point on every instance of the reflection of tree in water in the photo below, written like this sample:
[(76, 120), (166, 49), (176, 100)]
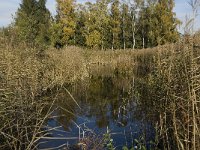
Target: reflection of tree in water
[(65, 111), (102, 121), (105, 98), (105, 101)]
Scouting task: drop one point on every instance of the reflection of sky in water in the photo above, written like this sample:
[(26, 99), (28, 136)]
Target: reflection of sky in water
[(120, 135), (104, 103)]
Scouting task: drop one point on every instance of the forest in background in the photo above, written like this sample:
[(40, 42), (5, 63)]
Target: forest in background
[(105, 24)]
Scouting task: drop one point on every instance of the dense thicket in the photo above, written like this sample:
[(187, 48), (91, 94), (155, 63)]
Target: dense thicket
[(105, 24)]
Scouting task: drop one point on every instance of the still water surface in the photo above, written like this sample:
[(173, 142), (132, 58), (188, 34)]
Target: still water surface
[(102, 102)]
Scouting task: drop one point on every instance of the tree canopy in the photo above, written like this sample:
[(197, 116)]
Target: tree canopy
[(32, 22), (105, 24)]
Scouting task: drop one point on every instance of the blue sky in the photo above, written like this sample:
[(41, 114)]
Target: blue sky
[(9, 7)]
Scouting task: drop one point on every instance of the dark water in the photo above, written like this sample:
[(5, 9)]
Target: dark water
[(102, 102)]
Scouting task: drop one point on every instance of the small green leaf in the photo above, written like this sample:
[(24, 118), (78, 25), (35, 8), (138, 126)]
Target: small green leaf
[(125, 148)]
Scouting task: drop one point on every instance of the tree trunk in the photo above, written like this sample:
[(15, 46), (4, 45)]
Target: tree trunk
[(133, 32), (113, 41)]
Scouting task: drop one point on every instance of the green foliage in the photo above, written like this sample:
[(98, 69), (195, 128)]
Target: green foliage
[(80, 39), (125, 148), (115, 24), (166, 22), (26, 22), (102, 20), (96, 20), (93, 40), (140, 143), (67, 20), (56, 35), (125, 26), (158, 24), (108, 141), (32, 22), (43, 17), (104, 24)]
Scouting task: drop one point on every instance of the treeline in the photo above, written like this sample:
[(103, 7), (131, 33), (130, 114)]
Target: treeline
[(105, 24)]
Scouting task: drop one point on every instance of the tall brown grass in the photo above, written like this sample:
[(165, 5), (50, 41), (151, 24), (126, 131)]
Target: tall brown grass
[(24, 75), (169, 79), (172, 91)]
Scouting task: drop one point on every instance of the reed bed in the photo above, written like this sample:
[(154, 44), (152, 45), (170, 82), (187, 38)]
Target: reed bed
[(172, 91), (168, 80), (25, 74), (22, 116)]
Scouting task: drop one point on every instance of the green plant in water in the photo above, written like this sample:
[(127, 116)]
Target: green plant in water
[(108, 140), (140, 144), (126, 148)]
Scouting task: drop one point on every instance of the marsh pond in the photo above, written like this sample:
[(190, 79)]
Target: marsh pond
[(103, 106)]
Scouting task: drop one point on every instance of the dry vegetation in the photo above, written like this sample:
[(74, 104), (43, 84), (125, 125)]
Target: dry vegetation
[(170, 78), (172, 89), (24, 75)]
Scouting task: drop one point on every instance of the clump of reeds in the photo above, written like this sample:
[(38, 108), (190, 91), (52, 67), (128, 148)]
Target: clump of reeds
[(122, 61), (22, 116), (68, 65), (25, 73), (172, 91)]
